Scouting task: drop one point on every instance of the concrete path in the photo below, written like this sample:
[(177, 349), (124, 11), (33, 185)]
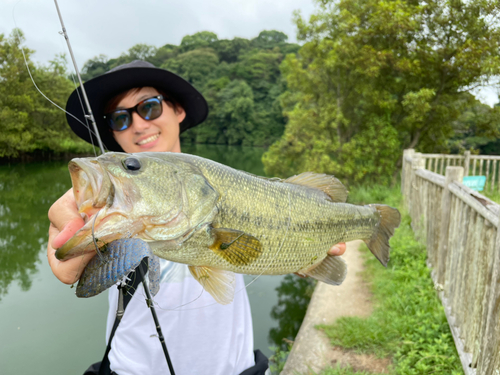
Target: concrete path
[(312, 350)]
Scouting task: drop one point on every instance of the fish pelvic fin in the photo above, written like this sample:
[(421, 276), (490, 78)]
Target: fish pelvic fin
[(331, 270), (390, 218), (219, 283), (328, 184), (236, 247)]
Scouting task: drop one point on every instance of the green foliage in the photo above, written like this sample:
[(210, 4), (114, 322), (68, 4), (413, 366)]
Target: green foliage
[(375, 77), (28, 122), (477, 129), (278, 359), (240, 79), (408, 322), (195, 66), (199, 40)]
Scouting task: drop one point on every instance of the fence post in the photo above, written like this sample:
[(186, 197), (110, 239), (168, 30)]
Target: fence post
[(489, 360), (452, 174), (466, 162), (404, 171), (418, 162)]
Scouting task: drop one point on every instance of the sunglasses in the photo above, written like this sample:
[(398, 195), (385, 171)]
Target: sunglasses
[(148, 109)]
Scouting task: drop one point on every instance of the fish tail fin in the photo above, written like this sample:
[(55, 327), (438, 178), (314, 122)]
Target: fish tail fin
[(378, 244)]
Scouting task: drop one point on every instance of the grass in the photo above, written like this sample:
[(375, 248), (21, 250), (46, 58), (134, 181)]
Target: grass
[(408, 322), (343, 371), (493, 195)]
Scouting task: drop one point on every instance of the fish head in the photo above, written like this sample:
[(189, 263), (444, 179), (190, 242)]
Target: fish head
[(151, 196)]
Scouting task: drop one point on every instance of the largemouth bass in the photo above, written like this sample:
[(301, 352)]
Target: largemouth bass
[(219, 220)]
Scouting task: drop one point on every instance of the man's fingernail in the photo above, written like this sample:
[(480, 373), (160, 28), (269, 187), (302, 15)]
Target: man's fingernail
[(335, 250)]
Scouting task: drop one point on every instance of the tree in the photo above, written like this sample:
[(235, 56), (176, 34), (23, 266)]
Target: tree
[(375, 77), (95, 67), (229, 50), (268, 39), (199, 40), (477, 129), (196, 66), (240, 79), (28, 122)]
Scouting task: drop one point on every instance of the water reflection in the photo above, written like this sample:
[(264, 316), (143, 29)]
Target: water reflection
[(28, 190), (294, 294), (26, 193)]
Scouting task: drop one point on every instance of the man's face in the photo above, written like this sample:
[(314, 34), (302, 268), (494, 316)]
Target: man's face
[(161, 134)]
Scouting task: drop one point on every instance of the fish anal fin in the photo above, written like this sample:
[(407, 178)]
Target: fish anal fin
[(328, 184), (331, 270), (219, 283), (236, 247)]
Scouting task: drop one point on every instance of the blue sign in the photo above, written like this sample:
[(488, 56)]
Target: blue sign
[(475, 182)]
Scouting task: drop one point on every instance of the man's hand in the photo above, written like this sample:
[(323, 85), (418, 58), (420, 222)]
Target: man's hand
[(338, 249), (64, 223)]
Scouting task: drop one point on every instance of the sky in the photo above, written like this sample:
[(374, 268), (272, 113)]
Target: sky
[(111, 27)]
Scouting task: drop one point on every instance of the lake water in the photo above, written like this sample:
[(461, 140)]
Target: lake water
[(45, 328)]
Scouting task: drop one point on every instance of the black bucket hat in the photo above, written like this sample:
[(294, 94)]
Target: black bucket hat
[(125, 77)]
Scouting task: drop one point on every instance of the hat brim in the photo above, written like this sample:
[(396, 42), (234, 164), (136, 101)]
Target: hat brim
[(103, 88)]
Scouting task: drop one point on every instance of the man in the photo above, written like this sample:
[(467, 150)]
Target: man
[(140, 108)]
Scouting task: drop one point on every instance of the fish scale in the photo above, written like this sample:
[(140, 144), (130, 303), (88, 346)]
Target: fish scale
[(265, 208)]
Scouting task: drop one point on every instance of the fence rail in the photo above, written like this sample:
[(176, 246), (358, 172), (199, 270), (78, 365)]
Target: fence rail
[(461, 230), (474, 165)]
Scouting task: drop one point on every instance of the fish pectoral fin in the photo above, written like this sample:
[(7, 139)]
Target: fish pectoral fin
[(331, 270), (236, 247), (219, 283), (328, 184)]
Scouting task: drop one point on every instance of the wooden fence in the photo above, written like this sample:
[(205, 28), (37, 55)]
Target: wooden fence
[(460, 228), (474, 165)]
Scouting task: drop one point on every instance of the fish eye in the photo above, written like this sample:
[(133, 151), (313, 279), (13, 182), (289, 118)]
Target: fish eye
[(131, 164)]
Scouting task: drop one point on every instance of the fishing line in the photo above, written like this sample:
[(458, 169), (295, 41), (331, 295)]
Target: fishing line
[(89, 114), (83, 110), (98, 251), (31, 76), (72, 75)]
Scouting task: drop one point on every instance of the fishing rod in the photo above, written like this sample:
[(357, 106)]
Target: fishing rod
[(90, 115), (149, 301)]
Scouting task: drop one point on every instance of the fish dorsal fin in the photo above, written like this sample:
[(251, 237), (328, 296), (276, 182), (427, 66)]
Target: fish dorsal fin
[(331, 270), (219, 283), (236, 247), (324, 182)]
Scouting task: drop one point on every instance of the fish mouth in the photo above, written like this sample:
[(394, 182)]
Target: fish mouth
[(94, 193), (92, 187)]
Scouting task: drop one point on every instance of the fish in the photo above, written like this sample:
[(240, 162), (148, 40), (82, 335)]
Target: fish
[(221, 221), (115, 264)]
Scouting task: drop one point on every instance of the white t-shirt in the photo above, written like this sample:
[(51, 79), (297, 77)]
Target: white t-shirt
[(202, 336)]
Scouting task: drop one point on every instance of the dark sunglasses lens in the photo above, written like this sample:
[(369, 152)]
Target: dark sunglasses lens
[(119, 120), (150, 109)]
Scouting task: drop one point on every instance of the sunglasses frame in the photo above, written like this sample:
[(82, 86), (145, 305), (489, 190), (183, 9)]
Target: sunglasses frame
[(133, 109)]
